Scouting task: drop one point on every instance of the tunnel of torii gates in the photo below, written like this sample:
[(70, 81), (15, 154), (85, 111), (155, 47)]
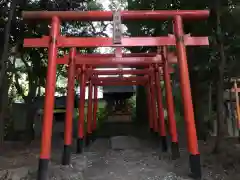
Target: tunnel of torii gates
[(83, 67)]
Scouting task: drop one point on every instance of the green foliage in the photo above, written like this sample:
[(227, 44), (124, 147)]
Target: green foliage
[(132, 102), (32, 62), (27, 67), (117, 4), (203, 61), (101, 115), (132, 105)]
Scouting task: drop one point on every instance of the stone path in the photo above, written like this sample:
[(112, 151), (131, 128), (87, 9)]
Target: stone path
[(126, 158)]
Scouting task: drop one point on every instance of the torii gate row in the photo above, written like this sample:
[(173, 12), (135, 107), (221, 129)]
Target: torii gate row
[(151, 79), (91, 60), (119, 81), (55, 41), (156, 125)]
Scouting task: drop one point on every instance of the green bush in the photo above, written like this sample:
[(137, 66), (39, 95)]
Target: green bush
[(101, 115), (134, 114)]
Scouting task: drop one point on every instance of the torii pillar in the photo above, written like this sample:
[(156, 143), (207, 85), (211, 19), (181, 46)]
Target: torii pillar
[(194, 158)]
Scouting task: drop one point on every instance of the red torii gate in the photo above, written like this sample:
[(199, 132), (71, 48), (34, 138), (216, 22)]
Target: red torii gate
[(115, 81), (101, 81), (55, 41)]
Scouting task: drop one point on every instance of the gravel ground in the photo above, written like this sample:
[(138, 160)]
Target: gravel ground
[(105, 160), (138, 163), (146, 162)]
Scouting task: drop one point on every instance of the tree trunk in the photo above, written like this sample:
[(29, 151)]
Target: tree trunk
[(3, 105), (198, 87), (220, 116), (31, 110), (220, 83), (30, 120), (231, 113), (210, 100), (210, 123), (3, 76), (4, 56)]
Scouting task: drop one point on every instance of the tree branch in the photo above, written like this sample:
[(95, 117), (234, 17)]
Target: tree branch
[(25, 64), (4, 56), (102, 33)]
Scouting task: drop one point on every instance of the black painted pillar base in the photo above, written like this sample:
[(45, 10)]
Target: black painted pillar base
[(164, 143), (66, 158), (94, 136), (43, 169), (87, 140), (80, 145), (156, 135), (195, 166), (175, 150), (151, 131)]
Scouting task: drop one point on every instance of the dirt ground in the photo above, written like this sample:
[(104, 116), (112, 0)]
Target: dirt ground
[(224, 165), (101, 162)]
